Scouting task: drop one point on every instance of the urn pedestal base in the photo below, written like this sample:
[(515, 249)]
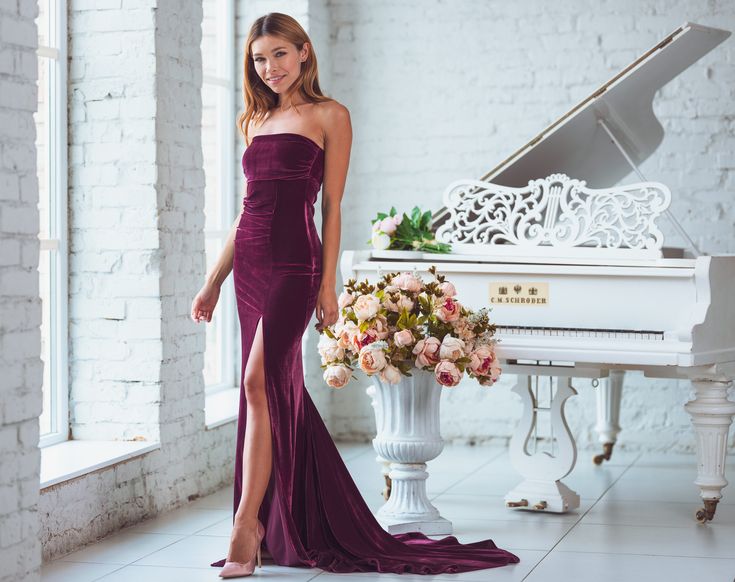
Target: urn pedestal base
[(407, 420)]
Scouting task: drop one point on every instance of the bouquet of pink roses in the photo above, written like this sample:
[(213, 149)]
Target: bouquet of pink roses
[(400, 323)]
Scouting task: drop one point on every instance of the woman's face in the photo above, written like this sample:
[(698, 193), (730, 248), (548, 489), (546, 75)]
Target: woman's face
[(277, 61)]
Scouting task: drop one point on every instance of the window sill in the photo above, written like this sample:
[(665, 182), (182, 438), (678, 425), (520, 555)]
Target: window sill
[(70, 459), (221, 407)]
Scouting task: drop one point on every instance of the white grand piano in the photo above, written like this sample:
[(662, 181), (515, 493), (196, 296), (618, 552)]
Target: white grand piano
[(580, 283)]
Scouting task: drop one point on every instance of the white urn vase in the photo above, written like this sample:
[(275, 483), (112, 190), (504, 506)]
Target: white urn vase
[(407, 421)]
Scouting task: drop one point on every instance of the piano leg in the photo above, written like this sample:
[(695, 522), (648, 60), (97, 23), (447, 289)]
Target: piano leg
[(608, 414), (712, 414), (542, 489)]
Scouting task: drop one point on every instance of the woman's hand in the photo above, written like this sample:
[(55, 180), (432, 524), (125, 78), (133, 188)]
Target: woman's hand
[(204, 302), (326, 307)]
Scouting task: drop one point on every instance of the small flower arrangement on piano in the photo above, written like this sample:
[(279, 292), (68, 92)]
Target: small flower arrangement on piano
[(414, 233), (400, 323)]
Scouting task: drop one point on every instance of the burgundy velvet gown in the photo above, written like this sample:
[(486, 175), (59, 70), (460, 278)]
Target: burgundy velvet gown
[(313, 513)]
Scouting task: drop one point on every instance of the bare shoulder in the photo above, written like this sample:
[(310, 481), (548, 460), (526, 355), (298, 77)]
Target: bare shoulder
[(333, 113), (334, 119)]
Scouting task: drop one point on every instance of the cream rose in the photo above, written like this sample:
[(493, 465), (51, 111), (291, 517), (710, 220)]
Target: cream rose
[(372, 359), (337, 376), (366, 306), (447, 373), (408, 282), (403, 338), (427, 352), (329, 349), (390, 374), (345, 298), (452, 348), (380, 241)]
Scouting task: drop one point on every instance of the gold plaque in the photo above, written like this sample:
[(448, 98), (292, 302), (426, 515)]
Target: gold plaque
[(524, 294)]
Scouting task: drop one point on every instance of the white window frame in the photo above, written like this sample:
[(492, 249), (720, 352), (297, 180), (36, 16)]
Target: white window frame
[(57, 243), (226, 138)]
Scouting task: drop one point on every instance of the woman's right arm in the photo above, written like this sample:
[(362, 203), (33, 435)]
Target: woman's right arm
[(223, 266)]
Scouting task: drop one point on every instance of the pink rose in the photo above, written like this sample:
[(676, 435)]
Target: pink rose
[(495, 372), (427, 352), (403, 338), (360, 340), (372, 359), (380, 325), (447, 373), (448, 310), (347, 333), (390, 375), (388, 225), (337, 376), (481, 359), (408, 282), (366, 306), (452, 348), (448, 289), (345, 298), (403, 302)]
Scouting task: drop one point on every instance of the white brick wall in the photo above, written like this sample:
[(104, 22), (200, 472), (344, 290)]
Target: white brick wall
[(446, 90), (20, 306)]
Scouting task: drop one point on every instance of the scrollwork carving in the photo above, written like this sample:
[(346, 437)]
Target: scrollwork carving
[(555, 211)]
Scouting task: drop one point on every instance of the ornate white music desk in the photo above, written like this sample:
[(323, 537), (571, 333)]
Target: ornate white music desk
[(580, 282)]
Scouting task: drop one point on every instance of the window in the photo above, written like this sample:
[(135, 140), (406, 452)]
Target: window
[(218, 142), (50, 120)]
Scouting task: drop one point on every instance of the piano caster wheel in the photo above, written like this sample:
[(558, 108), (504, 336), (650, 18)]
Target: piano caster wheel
[(387, 488), (541, 505), (606, 454), (706, 513), (521, 503)]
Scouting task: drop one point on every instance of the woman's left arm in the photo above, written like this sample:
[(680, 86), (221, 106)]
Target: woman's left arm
[(337, 129)]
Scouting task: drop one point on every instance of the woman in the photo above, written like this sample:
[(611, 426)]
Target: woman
[(293, 493)]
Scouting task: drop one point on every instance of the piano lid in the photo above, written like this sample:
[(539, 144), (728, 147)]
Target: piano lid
[(578, 146)]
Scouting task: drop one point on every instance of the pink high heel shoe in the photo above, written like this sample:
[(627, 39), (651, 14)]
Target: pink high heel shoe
[(238, 569)]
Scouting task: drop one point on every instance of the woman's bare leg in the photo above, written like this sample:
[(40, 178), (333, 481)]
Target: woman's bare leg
[(257, 451)]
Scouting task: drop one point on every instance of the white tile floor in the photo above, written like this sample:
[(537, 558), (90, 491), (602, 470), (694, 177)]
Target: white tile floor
[(635, 523)]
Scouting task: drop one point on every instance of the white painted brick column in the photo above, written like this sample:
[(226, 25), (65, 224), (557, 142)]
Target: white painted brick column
[(114, 244), (20, 305)]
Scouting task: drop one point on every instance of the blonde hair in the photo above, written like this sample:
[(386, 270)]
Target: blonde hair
[(258, 97)]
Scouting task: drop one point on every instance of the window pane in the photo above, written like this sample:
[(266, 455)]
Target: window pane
[(47, 416), (211, 151), (213, 11), (41, 118), (214, 348), (42, 22)]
